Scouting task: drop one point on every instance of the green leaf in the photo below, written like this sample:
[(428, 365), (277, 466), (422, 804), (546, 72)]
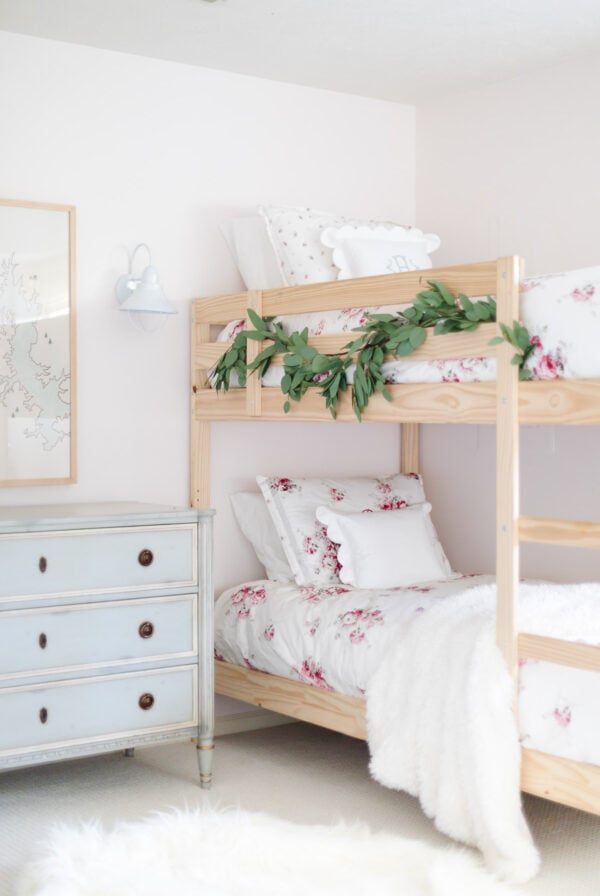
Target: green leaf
[(286, 407), (257, 321), (496, 340), (417, 337)]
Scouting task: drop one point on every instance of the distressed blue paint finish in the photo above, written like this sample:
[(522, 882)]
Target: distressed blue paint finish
[(105, 630)]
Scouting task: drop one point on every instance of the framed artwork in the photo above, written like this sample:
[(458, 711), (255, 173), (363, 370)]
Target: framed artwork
[(37, 344)]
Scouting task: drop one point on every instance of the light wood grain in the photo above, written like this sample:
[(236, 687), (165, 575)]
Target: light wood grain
[(565, 781), (507, 469), (253, 349), (569, 533), (477, 279), (300, 701), (220, 309), (409, 448), (555, 650)]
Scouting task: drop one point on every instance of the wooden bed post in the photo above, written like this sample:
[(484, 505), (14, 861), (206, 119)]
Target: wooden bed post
[(199, 429), (507, 467), (409, 448)]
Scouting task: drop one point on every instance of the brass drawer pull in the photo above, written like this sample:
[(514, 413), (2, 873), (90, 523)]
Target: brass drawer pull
[(43, 715), (146, 630), (43, 564), (43, 640), (146, 701), (145, 557)]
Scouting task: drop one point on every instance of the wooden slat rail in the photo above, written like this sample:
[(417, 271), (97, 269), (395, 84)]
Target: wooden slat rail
[(477, 279), (453, 345), (556, 650), (568, 533)]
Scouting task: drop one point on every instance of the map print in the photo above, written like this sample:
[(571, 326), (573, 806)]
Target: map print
[(34, 369)]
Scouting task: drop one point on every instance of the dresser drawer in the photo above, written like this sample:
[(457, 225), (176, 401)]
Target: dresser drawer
[(94, 560), (99, 708), (32, 641)]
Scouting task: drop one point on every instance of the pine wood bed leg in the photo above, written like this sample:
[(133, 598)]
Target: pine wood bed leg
[(507, 469), (253, 348), (199, 430), (409, 448)]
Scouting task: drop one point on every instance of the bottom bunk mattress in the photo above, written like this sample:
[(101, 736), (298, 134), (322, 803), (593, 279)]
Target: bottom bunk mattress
[(335, 637)]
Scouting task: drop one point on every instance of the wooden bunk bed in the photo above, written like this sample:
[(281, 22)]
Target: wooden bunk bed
[(506, 402)]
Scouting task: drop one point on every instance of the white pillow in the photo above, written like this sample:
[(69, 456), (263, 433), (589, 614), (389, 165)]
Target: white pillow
[(253, 252), (295, 235), (386, 549), (255, 522), (292, 503), (368, 251)]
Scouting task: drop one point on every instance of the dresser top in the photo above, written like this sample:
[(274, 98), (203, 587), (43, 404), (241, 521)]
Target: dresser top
[(122, 513)]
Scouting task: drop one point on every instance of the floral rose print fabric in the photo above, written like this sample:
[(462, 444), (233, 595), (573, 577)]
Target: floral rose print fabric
[(293, 503), (333, 637), (561, 312)]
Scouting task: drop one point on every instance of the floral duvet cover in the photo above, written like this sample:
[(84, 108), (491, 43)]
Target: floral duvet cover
[(561, 312), (333, 638)]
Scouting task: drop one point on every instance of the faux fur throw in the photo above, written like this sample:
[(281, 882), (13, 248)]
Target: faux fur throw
[(440, 719), (237, 853)]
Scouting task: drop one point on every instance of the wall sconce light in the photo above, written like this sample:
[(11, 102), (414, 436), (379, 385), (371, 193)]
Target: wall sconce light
[(143, 296)]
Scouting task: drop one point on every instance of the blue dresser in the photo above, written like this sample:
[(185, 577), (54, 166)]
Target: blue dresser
[(106, 632)]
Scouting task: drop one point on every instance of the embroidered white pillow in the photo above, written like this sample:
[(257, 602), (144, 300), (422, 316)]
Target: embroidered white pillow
[(255, 521), (295, 235), (293, 503), (368, 251), (386, 549)]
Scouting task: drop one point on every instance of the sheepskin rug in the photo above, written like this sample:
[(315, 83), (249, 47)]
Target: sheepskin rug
[(234, 853)]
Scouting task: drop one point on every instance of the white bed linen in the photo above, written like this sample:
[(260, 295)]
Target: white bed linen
[(561, 312), (335, 637)]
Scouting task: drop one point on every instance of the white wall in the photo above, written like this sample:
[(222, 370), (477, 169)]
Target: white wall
[(157, 152), (514, 168)]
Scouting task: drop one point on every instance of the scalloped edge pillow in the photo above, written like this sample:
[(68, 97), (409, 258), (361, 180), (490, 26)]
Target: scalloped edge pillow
[(386, 548), (295, 233), (293, 502), (366, 251)]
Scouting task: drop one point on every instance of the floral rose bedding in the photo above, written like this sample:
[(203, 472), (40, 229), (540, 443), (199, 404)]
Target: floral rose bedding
[(561, 312), (333, 637)]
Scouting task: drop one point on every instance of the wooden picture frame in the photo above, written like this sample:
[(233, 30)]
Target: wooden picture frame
[(37, 344)]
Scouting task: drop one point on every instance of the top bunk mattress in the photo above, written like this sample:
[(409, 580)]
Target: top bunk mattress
[(561, 312)]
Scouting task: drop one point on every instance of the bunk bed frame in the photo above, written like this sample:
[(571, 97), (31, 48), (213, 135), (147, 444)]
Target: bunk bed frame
[(506, 402)]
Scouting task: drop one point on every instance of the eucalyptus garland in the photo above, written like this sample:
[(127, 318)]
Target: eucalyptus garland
[(396, 335)]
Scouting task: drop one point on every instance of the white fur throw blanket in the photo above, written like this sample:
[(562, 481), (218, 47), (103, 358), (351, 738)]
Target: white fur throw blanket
[(440, 719)]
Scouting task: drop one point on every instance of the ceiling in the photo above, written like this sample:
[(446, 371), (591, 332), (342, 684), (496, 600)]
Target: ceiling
[(402, 50)]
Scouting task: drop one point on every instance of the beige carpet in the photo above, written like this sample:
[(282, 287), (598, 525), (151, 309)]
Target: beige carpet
[(297, 772)]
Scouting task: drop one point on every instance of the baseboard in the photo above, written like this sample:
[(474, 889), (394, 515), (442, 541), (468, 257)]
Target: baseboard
[(235, 723)]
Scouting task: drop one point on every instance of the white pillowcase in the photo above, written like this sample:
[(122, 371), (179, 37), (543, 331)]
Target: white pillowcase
[(255, 521), (253, 252), (386, 549), (292, 503), (368, 251), (295, 234)]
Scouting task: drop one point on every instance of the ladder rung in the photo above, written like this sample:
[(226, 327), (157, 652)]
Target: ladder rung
[(571, 533), (554, 650)]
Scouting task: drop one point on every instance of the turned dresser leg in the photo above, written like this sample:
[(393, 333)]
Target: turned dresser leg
[(205, 751)]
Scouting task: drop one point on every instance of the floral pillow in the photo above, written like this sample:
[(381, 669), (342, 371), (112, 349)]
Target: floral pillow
[(293, 504)]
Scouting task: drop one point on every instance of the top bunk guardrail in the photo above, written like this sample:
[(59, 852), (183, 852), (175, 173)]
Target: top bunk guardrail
[(561, 401)]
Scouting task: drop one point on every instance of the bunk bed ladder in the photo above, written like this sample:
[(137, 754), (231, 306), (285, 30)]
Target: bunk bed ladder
[(572, 783)]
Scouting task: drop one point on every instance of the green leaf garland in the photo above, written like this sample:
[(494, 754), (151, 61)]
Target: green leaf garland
[(398, 335)]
